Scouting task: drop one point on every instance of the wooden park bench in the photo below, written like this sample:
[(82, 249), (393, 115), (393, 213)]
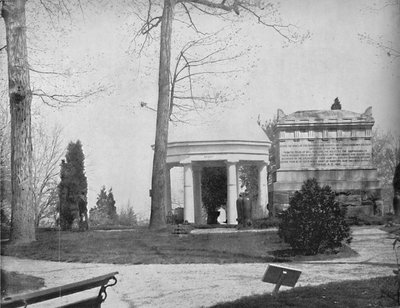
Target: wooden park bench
[(103, 282)]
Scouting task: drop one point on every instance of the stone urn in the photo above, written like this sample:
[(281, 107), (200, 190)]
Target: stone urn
[(212, 217), (247, 212)]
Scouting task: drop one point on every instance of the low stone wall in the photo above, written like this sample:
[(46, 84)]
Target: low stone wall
[(357, 202)]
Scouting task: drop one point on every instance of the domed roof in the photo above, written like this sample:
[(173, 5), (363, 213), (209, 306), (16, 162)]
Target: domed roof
[(232, 129)]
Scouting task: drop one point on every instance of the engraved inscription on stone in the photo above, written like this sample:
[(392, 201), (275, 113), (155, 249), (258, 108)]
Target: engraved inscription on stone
[(326, 154)]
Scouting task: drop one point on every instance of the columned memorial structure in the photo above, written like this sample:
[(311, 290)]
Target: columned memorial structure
[(226, 146), (333, 146)]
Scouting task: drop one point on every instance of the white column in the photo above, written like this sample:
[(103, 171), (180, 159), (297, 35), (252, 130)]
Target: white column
[(237, 180), (197, 196), (231, 212), (188, 211), (168, 207), (263, 189)]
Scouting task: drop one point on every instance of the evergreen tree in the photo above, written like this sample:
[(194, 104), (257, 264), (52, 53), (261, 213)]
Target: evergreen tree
[(73, 188), (101, 202), (111, 208), (105, 212)]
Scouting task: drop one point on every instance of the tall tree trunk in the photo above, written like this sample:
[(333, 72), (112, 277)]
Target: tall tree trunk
[(23, 212), (158, 181), (2, 172)]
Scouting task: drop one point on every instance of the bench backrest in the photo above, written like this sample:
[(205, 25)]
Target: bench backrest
[(47, 294)]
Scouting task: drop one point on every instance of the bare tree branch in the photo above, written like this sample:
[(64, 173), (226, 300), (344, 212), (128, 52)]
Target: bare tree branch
[(234, 6), (191, 22), (151, 24), (47, 154), (199, 8), (276, 27), (54, 100), (190, 71), (47, 72), (386, 47)]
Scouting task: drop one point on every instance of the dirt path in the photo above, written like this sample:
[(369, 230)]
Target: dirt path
[(202, 285)]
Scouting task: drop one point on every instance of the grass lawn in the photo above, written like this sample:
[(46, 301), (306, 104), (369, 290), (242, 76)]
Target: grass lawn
[(141, 246), (351, 294)]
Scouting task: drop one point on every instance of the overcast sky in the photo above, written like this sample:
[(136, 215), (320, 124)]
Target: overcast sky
[(96, 46)]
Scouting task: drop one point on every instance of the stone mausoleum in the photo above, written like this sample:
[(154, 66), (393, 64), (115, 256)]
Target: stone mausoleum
[(333, 146)]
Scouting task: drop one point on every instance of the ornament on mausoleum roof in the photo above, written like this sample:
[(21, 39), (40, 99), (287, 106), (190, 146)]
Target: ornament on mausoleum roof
[(336, 105)]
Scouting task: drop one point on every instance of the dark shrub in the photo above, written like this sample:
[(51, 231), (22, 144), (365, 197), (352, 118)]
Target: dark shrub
[(314, 222), (213, 190), (396, 179)]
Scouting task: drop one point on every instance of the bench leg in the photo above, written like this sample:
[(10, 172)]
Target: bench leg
[(94, 302)]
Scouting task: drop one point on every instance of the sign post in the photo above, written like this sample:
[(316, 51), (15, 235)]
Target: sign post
[(281, 276)]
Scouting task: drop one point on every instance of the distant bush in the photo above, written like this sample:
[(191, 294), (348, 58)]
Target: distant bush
[(98, 218), (127, 217), (105, 212), (314, 221)]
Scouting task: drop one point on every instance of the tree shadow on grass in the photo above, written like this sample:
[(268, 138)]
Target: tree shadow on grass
[(14, 283), (376, 292), (291, 255)]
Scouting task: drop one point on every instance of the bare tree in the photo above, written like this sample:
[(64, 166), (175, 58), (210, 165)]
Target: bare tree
[(191, 89), (22, 219), (20, 90), (47, 154), (386, 46), (5, 170), (385, 155), (189, 7), (391, 48)]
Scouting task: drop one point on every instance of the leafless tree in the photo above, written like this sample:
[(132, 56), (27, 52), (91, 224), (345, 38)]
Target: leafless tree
[(385, 155), (47, 154), (5, 170), (263, 13), (20, 91), (388, 47), (191, 89), (385, 158), (391, 48), (22, 218)]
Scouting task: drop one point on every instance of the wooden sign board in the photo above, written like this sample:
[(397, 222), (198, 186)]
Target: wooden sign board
[(280, 275)]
